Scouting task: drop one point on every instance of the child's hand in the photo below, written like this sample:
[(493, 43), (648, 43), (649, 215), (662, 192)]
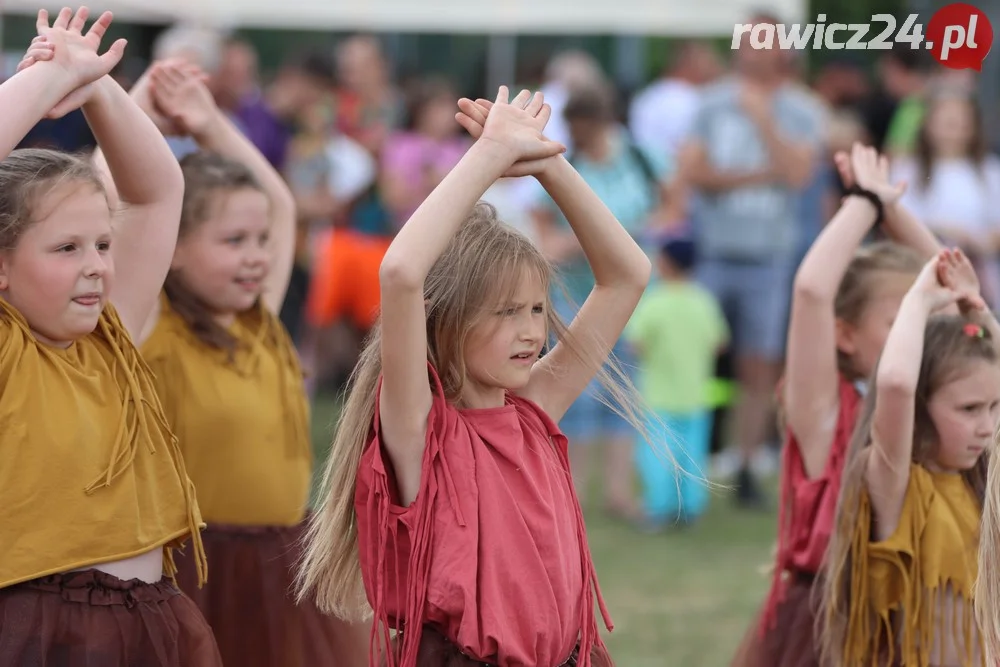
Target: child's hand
[(516, 126), (142, 95), (38, 51), (179, 91), (929, 288), (956, 272), (871, 172), (473, 117), (843, 163), (76, 53)]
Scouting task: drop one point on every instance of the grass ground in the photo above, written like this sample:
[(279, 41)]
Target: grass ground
[(682, 599)]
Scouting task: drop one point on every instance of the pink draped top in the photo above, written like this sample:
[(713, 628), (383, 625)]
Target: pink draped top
[(493, 551)]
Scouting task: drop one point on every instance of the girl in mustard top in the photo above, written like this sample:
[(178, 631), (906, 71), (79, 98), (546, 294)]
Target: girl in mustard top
[(92, 484), (233, 391), (902, 561)]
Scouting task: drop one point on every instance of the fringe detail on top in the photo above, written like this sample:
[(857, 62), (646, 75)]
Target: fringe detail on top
[(419, 566), (590, 635), (135, 428), (268, 333), (897, 635)]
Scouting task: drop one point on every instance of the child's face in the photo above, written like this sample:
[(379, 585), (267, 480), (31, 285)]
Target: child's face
[(226, 259), (502, 349), (60, 275), (437, 118), (965, 412), (863, 340), (950, 125)]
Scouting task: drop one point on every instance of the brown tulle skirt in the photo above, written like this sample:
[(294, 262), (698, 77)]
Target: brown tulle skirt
[(436, 651), (249, 603), (790, 641), (93, 619)]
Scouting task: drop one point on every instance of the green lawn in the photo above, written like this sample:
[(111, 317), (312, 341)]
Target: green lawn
[(681, 599)]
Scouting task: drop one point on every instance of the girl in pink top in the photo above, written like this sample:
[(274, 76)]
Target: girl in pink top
[(449, 499), (414, 160)]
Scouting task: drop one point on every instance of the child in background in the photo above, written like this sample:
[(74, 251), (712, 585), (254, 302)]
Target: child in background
[(232, 389), (900, 570), (677, 332)]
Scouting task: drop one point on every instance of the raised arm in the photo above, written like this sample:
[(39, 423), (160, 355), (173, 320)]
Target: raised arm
[(150, 187), (957, 273), (144, 173), (810, 394), (26, 98), (901, 225), (621, 272), (888, 470), (185, 99), (60, 61), (405, 397)]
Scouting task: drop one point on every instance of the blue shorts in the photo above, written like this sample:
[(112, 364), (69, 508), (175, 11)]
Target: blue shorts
[(589, 421), (755, 298)]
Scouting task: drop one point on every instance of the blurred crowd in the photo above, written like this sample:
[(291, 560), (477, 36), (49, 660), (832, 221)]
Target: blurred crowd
[(730, 151)]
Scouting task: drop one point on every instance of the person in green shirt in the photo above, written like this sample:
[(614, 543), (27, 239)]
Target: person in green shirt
[(676, 333), (905, 126)]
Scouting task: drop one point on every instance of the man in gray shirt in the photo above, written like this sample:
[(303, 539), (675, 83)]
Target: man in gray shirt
[(752, 149)]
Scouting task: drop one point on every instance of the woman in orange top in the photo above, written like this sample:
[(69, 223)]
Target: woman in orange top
[(233, 391), (93, 486)]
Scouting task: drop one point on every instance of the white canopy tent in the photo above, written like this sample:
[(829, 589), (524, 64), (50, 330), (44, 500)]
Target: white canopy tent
[(578, 17)]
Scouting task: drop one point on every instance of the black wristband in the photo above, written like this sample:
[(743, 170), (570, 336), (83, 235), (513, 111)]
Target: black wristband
[(876, 201)]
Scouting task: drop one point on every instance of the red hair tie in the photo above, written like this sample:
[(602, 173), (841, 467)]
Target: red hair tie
[(973, 330)]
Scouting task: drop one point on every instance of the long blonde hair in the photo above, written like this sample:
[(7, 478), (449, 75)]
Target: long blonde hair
[(988, 583), (486, 259), (946, 348)]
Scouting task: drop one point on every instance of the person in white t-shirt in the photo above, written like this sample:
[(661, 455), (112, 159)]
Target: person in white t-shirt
[(662, 114), (954, 183)]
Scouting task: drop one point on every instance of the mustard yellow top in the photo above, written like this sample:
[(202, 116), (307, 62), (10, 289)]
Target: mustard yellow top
[(242, 422), (89, 472), (917, 586)]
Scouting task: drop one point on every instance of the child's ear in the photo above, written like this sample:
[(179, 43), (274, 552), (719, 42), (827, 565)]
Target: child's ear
[(845, 337), (4, 263)]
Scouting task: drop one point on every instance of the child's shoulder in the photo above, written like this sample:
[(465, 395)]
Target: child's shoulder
[(168, 328)]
